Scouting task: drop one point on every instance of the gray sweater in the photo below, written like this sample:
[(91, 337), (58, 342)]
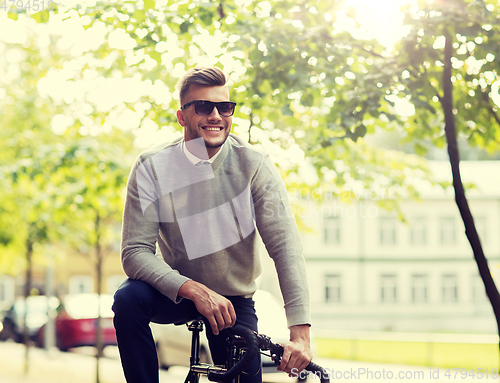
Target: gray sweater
[(203, 219)]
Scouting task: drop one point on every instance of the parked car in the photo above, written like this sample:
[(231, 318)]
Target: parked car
[(37, 315), (173, 343), (76, 322)]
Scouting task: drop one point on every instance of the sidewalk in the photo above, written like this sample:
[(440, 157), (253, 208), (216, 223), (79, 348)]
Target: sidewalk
[(79, 367), (54, 366), (68, 367)]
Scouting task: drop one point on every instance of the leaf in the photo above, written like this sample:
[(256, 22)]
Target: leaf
[(360, 131), (184, 27), (307, 99), (41, 16), (286, 111), (149, 4)]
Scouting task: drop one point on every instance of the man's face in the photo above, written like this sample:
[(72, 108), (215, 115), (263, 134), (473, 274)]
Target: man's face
[(213, 128)]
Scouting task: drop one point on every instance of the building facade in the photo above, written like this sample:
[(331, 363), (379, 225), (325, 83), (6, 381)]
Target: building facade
[(369, 270)]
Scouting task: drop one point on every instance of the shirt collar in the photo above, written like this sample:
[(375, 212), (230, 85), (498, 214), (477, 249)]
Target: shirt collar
[(193, 159)]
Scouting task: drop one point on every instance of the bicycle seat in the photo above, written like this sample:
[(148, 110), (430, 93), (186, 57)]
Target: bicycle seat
[(188, 321)]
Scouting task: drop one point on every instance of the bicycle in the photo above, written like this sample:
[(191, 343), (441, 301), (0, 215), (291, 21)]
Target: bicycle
[(243, 347)]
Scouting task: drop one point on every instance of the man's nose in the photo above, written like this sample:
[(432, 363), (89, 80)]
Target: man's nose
[(215, 114)]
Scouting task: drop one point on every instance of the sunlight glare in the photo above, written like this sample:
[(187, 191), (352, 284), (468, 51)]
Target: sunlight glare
[(381, 20)]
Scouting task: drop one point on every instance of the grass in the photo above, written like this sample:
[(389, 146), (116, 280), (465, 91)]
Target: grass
[(449, 355)]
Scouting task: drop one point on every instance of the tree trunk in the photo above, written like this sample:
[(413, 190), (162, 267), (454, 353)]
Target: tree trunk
[(461, 200), (27, 293)]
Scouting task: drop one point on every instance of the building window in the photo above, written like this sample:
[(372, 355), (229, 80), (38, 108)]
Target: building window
[(418, 231), (7, 290), (478, 291), (388, 288), (331, 230), (447, 231), (387, 230), (419, 288), (481, 224), (113, 282), (450, 288), (333, 288), (79, 284)]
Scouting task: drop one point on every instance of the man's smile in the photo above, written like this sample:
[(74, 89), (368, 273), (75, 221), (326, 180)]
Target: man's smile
[(212, 128)]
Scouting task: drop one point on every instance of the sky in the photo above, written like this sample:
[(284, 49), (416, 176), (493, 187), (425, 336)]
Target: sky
[(379, 19)]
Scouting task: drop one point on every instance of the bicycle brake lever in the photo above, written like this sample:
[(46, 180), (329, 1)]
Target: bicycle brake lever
[(276, 359), (276, 350), (276, 353)]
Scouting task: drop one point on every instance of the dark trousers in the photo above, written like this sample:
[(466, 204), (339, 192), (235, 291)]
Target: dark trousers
[(137, 304)]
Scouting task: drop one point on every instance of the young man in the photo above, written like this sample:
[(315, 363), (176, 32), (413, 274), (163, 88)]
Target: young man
[(199, 199)]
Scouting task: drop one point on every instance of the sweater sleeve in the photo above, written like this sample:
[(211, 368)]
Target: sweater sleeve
[(279, 232), (140, 231)]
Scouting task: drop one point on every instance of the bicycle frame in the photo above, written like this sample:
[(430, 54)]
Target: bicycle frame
[(235, 350), (242, 349), (195, 368)]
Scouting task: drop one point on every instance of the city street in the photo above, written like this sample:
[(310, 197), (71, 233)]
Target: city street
[(64, 367), (79, 367)]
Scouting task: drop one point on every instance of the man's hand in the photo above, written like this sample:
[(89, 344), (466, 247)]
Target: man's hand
[(218, 310), (297, 354)]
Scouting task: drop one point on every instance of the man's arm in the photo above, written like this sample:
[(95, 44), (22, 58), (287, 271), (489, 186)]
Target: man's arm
[(281, 237), (140, 229)]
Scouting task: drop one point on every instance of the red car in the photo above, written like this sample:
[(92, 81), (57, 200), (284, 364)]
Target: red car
[(76, 322)]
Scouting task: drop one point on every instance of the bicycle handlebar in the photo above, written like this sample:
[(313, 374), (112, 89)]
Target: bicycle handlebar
[(277, 350), (244, 362), (254, 342)]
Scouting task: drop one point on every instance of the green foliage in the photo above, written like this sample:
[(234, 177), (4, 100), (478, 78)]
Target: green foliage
[(95, 173), (44, 173), (26, 161), (476, 35), (303, 89)]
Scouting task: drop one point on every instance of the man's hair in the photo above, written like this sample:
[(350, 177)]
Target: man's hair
[(213, 76)]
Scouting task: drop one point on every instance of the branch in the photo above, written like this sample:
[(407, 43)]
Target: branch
[(487, 99), (369, 51), (460, 198), (221, 10), (250, 128)]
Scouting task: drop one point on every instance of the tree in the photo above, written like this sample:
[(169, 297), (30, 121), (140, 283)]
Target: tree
[(291, 99), (34, 212), (27, 161), (42, 166), (450, 58), (97, 171)]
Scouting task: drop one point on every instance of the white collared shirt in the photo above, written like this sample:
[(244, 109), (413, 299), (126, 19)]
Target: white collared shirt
[(194, 160)]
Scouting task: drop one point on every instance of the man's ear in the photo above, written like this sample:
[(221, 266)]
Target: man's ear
[(180, 118)]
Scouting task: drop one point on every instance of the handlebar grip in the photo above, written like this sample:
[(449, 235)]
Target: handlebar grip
[(277, 350), (244, 362), (324, 376)]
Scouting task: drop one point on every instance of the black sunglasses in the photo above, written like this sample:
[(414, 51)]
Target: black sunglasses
[(204, 107)]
